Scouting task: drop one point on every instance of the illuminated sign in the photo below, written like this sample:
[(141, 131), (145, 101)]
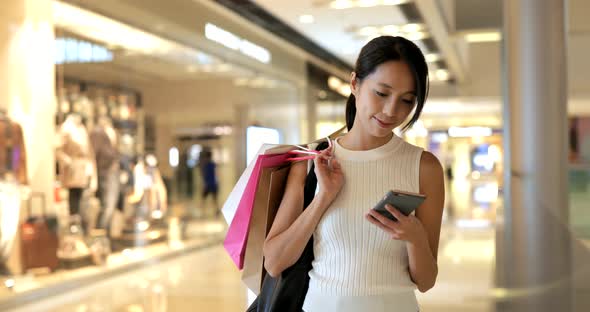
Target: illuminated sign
[(69, 50), (234, 42)]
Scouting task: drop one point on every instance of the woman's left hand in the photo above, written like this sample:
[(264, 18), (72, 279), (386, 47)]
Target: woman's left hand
[(406, 228)]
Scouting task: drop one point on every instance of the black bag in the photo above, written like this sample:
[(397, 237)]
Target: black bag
[(287, 292)]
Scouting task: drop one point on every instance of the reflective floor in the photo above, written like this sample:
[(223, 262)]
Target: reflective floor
[(207, 280)]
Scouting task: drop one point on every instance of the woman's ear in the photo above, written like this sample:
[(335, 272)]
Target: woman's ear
[(354, 85)]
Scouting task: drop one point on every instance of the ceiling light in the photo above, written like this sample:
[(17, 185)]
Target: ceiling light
[(234, 42), (344, 90), (347, 4), (442, 74), (369, 31), (393, 2), (367, 3), (390, 29), (416, 36), (432, 57), (334, 83), (412, 27), (490, 36), (116, 35), (102, 29), (341, 4), (306, 19)]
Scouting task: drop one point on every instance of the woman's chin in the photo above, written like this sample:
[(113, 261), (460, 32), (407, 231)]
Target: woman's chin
[(381, 132)]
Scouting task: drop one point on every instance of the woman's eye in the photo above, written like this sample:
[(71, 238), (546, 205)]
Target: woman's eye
[(380, 94), (410, 102)]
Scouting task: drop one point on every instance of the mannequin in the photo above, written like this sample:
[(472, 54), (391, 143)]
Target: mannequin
[(149, 189), (104, 141), (76, 160)]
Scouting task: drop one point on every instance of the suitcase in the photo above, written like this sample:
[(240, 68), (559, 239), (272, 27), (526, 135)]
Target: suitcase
[(38, 238)]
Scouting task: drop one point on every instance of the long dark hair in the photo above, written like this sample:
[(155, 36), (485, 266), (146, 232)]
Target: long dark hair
[(384, 49)]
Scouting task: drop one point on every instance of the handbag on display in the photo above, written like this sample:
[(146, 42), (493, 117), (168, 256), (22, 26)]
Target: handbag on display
[(73, 252), (100, 246), (286, 293), (38, 239)]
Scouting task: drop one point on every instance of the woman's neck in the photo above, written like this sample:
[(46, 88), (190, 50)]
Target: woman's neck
[(359, 140)]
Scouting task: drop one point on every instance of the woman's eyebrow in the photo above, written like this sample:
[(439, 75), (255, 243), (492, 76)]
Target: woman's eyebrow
[(390, 87)]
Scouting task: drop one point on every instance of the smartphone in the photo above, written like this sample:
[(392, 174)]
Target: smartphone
[(405, 202)]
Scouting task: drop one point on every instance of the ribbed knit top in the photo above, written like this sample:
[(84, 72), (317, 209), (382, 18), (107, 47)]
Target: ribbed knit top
[(352, 256)]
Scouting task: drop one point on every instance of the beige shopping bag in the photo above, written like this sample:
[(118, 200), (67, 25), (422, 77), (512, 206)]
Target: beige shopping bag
[(266, 203)]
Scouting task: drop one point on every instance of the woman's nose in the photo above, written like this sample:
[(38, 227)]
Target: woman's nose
[(389, 107)]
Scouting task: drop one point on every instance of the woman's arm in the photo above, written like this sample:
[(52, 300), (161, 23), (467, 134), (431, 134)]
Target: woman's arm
[(422, 231), (423, 250), (293, 227)]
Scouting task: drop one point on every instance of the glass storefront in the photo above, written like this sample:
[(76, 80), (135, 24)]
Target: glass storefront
[(143, 136), (472, 158)]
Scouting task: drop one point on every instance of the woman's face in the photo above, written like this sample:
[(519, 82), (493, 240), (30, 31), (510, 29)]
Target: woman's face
[(384, 99)]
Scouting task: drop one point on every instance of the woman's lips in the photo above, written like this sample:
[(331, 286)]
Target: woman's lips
[(383, 124)]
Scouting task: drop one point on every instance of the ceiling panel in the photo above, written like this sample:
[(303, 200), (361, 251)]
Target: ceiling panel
[(330, 28)]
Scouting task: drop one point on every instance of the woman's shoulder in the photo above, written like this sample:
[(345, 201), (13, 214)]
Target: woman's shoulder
[(408, 147), (429, 164)]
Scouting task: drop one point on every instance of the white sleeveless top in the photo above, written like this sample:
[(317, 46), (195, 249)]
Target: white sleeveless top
[(357, 267)]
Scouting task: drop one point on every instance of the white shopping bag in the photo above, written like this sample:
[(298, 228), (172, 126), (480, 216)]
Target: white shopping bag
[(233, 200)]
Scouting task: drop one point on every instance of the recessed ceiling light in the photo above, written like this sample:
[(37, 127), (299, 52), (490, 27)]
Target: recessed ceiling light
[(489, 36), (416, 36), (412, 27), (367, 3), (393, 2), (306, 19), (432, 57), (347, 4), (345, 90), (442, 74), (334, 83), (390, 30), (341, 4), (369, 31)]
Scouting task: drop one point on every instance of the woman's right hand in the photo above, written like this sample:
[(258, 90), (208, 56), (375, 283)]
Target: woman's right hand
[(329, 174)]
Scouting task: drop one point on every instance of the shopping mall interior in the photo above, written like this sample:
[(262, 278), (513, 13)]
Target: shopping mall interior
[(125, 126)]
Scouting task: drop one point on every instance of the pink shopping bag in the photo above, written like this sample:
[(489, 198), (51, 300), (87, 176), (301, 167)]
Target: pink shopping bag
[(237, 233)]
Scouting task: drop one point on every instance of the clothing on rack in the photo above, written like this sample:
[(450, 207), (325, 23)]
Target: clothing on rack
[(10, 202), (104, 142), (13, 156), (75, 154), (150, 188)]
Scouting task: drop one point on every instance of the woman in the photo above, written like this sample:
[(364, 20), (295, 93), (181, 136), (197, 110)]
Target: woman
[(364, 261)]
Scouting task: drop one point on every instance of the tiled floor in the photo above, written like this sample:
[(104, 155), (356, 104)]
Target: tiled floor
[(207, 280)]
